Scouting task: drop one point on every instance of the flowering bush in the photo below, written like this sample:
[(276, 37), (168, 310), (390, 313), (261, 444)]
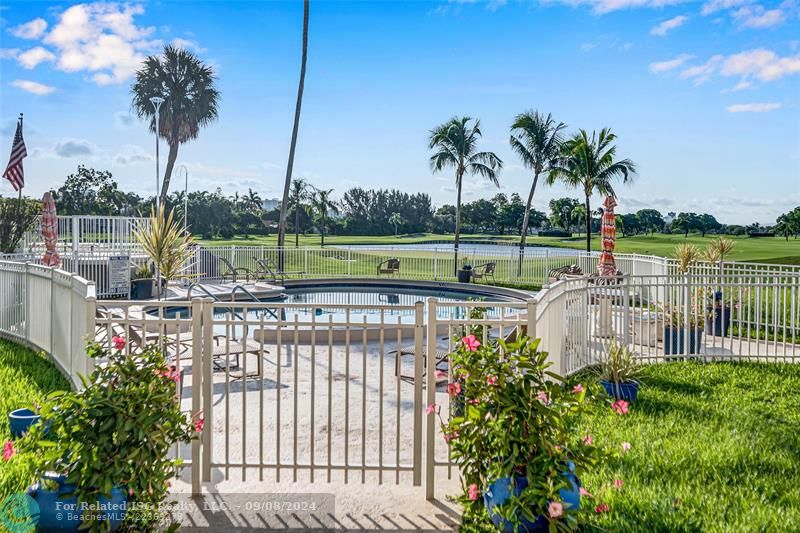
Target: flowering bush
[(513, 418), (116, 432)]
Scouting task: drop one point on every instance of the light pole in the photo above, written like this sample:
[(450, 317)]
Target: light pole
[(157, 101), (185, 199)]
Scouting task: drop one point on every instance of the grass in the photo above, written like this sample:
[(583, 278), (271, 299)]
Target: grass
[(25, 377), (714, 447), (765, 249)]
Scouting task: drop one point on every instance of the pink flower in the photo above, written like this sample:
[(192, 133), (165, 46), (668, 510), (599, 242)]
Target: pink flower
[(543, 397), (430, 409), (118, 342), (577, 389), (588, 440), (8, 450), (555, 510), (198, 426), (450, 436), (602, 508), (473, 492), (470, 343), (171, 373), (626, 446), (491, 380), (474, 401), (440, 374), (585, 493), (454, 389), (620, 407), (617, 483)]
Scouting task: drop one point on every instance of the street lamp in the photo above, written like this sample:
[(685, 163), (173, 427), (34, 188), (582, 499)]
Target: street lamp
[(157, 101), (185, 198)]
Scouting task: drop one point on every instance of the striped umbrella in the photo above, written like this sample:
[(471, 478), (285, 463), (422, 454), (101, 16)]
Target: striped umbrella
[(606, 265), (50, 231)]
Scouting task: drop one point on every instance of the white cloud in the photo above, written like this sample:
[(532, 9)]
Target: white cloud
[(714, 6), (30, 58), (669, 64), (607, 6), (9, 53), (702, 73), (74, 147), (132, 154), (33, 87), (664, 27), (30, 30), (101, 38), (758, 17), (187, 44), (588, 47), (753, 108), (760, 63)]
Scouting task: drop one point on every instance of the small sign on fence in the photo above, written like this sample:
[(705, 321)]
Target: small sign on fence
[(119, 275)]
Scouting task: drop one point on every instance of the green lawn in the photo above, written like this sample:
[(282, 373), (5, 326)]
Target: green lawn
[(768, 250), (25, 377), (714, 447)]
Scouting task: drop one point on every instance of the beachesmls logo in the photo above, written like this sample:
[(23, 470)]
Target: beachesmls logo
[(19, 513)]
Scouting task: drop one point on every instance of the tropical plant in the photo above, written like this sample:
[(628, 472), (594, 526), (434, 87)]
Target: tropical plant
[(300, 194), (516, 419), (619, 365), (116, 432), (536, 138), (718, 249), (252, 201), (165, 244), (589, 163), (396, 220), (686, 255), (322, 204), (455, 145), (293, 145), (190, 97)]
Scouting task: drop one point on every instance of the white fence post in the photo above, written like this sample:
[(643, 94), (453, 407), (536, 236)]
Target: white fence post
[(207, 329), (419, 350), (197, 380), (430, 385)]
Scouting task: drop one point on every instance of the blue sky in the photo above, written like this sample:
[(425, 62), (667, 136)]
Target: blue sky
[(703, 96)]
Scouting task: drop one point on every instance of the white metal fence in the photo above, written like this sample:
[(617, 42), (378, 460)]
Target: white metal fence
[(333, 391)]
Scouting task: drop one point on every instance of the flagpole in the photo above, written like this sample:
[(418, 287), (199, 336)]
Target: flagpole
[(19, 197)]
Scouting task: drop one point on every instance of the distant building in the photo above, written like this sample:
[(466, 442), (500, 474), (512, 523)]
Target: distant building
[(270, 204), (669, 217)]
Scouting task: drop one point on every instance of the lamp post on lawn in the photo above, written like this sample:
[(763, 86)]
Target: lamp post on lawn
[(185, 198), (157, 101)]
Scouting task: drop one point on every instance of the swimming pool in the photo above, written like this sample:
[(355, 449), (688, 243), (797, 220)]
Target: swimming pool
[(372, 301)]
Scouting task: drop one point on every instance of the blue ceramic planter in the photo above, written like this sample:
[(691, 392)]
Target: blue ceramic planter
[(674, 341), (60, 511), (499, 492), (20, 420), (627, 390)]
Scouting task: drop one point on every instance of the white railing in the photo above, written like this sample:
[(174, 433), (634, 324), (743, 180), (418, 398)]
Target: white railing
[(78, 232), (49, 310)]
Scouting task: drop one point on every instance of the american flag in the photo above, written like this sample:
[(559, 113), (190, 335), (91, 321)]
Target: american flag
[(14, 172)]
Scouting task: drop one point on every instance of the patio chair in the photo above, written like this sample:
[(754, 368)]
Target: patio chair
[(390, 266), (484, 271), (233, 272), (267, 269), (442, 362), (565, 272)]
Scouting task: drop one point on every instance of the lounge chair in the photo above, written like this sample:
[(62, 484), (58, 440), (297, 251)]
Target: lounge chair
[(484, 271), (267, 269), (390, 266), (565, 272), (233, 272)]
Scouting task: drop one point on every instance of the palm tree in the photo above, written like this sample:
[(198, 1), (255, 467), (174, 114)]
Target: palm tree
[(191, 99), (455, 145), (298, 194), (293, 145), (396, 219), (322, 204), (537, 140), (252, 201), (588, 163)]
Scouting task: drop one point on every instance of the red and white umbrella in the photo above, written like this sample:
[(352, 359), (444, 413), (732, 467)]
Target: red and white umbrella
[(50, 231), (606, 266)]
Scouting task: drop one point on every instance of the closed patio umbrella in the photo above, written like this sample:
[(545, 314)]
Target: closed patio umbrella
[(50, 231), (606, 266)]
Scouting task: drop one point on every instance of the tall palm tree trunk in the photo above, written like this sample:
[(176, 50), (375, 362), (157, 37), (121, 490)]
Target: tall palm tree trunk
[(171, 158), (588, 226), (459, 175), (295, 127), (523, 235)]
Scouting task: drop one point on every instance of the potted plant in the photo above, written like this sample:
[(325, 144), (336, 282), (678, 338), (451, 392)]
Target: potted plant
[(619, 372), (107, 446), (718, 311), (20, 420), (165, 243), (516, 440), (143, 284), (681, 328), (465, 274)]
